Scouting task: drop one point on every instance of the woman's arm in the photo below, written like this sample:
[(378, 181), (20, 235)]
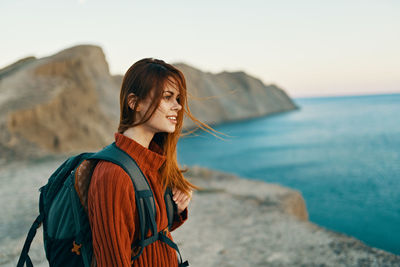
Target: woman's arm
[(111, 203), (182, 201)]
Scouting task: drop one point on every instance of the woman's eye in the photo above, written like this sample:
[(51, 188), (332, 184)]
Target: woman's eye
[(168, 97)]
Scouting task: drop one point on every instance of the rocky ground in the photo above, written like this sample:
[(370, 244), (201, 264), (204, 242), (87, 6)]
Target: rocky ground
[(232, 222), (238, 222)]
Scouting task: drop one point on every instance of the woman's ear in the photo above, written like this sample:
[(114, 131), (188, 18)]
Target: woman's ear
[(132, 100)]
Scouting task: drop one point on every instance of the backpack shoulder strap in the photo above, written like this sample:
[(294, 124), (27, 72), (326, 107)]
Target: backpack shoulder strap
[(143, 194), (24, 257), (144, 200), (170, 206), (117, 156)]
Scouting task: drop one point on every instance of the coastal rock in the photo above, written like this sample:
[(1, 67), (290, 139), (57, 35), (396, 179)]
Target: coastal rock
[(273, 196), (231, 96), (58, 104), (232, 221), (239, 222), (69, 102)]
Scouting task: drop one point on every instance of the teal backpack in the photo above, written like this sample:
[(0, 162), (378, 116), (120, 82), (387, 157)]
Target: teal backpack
[(66, 230)]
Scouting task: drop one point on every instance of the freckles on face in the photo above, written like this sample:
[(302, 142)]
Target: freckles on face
[(166, 108), (161, 120), (164, 119)]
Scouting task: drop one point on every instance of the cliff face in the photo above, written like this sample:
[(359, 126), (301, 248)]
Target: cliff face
[(62, 103), (230, 96), (69, 102)]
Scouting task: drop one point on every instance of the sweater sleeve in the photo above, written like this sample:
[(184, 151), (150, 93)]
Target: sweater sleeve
[(179, 219), (111, 202)]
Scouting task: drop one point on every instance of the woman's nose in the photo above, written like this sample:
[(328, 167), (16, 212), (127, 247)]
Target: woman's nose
[(177, 105)]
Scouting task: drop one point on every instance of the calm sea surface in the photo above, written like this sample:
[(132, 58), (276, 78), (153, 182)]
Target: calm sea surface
[(342, 153)]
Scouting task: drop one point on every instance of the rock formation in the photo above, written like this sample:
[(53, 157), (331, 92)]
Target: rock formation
[(61, 103), (239, 222), (69, 102), (231, 96)]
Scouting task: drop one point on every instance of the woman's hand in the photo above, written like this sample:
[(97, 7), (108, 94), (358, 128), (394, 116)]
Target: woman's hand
[(181, 199)]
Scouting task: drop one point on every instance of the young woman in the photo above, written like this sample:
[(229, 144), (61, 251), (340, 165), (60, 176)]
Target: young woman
[(153, 100)]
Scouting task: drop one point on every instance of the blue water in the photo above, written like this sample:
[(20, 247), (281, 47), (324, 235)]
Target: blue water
[(342, 153)]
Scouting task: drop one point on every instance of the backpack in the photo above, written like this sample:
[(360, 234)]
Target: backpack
[(63, 211)]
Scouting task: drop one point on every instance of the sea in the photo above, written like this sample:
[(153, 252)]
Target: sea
[(342, 153)]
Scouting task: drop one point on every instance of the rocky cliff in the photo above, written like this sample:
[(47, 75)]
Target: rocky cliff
[(60, 103), (69, 102), (230, 96)]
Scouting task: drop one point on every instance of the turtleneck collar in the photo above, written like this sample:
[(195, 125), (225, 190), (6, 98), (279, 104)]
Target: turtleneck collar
[(147, 158)]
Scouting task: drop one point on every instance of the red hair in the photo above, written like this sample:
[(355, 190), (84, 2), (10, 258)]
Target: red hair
[(147, 76)]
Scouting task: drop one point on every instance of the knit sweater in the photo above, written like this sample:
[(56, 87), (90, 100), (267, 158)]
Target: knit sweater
[(112, 209)]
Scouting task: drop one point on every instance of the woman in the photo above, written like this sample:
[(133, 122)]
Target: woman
[(153, 101)]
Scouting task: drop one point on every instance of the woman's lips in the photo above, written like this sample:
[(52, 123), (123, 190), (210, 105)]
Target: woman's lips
[(172, 120)]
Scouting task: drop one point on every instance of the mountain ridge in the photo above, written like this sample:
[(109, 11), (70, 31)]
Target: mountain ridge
[(69, 101)]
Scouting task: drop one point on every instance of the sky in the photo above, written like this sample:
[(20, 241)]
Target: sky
[(307, 48)]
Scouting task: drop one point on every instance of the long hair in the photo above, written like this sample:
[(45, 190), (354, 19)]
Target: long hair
[(148, 76)]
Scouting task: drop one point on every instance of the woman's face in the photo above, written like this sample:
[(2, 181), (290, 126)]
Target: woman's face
[(164, 118)]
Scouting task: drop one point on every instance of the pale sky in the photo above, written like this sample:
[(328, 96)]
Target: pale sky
[(308, 48)]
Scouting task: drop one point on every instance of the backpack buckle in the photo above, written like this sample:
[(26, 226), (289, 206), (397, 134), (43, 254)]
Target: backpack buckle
[(135, 251), (165, 231), (76, 248)]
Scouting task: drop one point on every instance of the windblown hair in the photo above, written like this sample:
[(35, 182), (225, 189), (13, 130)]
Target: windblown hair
[(147, 78)]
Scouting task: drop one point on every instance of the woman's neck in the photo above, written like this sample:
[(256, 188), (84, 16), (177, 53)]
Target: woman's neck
[(140, 135)]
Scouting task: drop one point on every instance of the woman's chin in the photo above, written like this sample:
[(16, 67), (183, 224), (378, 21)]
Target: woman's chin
[(167, 130)]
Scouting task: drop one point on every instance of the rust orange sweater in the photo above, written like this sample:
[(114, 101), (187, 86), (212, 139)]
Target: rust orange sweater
[(112, 209)]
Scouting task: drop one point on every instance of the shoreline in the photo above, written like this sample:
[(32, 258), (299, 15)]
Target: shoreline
[(232, 222)]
